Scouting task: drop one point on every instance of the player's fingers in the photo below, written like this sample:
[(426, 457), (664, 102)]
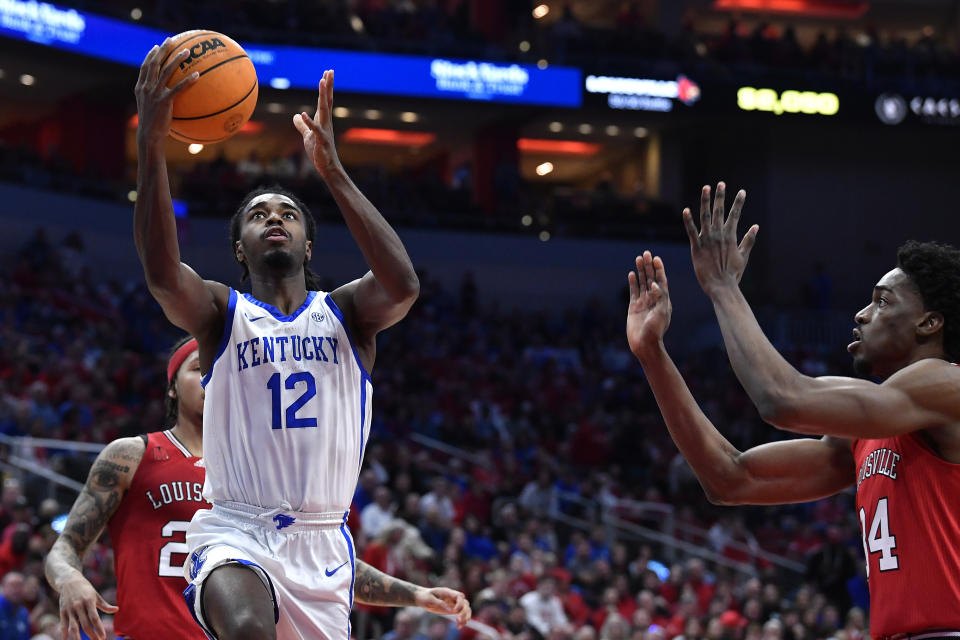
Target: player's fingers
[(648, 268), (71, 630), (749, 239), (734, 218), (153, 69), (184, 83), (660, 273), (632, 285), (299, 124), (691, 228), (330, 91), (105, 606), (90, 621), (322, 110), (716, 218), (642, 275), (172, 64), (146, 64), (310, 123), (704, 207), (463, 612)]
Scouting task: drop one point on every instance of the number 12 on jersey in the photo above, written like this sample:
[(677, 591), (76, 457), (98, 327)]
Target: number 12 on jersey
[(290, 415), (879, 539)]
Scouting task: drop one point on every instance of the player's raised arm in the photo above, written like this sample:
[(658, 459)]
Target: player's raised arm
[(375, 587), (107, 482), (384, 295), (918, 396), (187, 300), (769, 474)]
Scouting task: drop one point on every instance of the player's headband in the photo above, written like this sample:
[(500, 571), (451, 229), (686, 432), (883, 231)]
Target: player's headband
[(179, 356)]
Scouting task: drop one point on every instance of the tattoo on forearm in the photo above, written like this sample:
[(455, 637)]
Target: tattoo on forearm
[(101, 495), (375, 587)]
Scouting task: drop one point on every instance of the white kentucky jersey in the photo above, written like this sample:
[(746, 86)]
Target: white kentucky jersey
[(287, 408)]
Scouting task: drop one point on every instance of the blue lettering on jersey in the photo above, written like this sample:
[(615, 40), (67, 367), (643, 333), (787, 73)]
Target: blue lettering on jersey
[(266, 349), (242, 355), (318, 348), (283, 521)]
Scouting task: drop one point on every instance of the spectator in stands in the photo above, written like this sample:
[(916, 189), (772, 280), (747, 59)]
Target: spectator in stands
[(543, 608), (14, 617), (404, 627), (376, 515)]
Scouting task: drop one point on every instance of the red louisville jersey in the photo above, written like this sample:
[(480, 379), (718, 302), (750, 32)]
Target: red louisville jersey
[(148, 535), (907, 501)]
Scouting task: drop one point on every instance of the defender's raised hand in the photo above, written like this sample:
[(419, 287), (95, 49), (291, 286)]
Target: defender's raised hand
[(648, 314), (718, 259), (317, 132), (154, 99)]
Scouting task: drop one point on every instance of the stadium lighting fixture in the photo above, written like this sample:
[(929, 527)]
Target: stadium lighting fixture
[(542, 63), (565, 147), (132, 195), (540, 11), (544, 168), (526, 220), (341, 112), (544, 236), (555, 127), (194, 148), (612, 130), (524, 46), (274, 107), (585, 128), (27, 80), (640, 132), (390, 137), (136, 13), (372, 114), (409, 116)]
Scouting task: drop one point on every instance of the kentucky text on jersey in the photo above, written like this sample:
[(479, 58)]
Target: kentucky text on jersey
[(170, 492), (264, 349), (882, 462)]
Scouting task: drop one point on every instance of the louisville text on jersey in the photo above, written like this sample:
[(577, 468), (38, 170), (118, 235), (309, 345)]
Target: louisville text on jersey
[(170, 492), (879, 462)]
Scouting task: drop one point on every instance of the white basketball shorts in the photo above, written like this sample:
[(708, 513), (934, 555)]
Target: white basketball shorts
[(306, 561)]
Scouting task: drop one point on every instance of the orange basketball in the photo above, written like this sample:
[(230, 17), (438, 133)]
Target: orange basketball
[(224, 96)]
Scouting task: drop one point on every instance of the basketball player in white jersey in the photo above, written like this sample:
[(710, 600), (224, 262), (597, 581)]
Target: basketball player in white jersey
[(287, 384)]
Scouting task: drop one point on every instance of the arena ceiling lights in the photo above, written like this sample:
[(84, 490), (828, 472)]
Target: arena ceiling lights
[(565, 147), (389, 137), (848, 9)]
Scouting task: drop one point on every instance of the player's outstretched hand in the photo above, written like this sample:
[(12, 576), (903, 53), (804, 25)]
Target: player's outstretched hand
[(718, 259), (154, 99), (445, 602), (648, 314), (317, 131), (79, 602)]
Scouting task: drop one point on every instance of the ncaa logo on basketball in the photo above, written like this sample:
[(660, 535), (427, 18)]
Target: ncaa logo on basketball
[(316, 316), (201, 48)]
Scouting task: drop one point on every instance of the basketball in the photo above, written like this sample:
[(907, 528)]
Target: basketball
[(224, 96)]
